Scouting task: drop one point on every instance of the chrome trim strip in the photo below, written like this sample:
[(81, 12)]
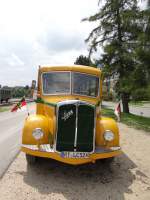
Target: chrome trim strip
[(106, 150), (55, 139), (76, 131), (74, 102), (43, 147), (94, 130), (65, 102), (47, 148)]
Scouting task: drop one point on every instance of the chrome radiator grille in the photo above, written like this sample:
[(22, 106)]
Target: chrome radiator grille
[(75, 127)]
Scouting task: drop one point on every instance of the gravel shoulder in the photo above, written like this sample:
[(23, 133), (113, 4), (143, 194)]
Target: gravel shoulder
[(127, 178)]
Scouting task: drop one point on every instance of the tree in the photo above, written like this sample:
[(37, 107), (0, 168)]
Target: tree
[(26, 87), (21, 91), (147, 33), (143, 50), (83, 60), (117, 32), (142, 53)]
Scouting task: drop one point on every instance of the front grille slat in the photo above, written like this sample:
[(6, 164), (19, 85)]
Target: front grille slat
[(66, 128), (85, 128), (75, 127)]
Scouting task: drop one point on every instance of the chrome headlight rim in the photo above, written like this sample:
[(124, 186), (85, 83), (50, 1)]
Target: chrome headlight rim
[(37, 133), (109, 135)]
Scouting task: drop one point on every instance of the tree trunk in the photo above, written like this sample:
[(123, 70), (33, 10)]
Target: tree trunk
[(125, 102)]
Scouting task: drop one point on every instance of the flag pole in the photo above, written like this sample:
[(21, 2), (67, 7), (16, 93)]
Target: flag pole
[(28, 111), (117, 111), (27, 108)]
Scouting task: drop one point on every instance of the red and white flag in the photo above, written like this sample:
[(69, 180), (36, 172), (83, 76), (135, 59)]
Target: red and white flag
[(118, 111), (20, 106)]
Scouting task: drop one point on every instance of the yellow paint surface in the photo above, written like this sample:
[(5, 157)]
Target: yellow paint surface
[(45, 119)]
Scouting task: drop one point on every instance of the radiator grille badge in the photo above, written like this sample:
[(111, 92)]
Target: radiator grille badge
[(66, 115)]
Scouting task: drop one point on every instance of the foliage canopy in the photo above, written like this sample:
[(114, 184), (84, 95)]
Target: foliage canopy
[(123, 33)]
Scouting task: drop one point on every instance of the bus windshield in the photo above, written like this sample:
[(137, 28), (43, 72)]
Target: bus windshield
[(70, 83)]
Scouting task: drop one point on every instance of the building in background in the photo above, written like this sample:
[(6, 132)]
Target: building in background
[(5, 94), (33, 89), (109, 84)]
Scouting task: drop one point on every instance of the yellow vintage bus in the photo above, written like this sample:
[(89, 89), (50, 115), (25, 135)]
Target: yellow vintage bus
[(68, 125)]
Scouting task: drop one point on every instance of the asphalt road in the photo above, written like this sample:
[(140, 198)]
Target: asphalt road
[(143, 110), (10, 135)]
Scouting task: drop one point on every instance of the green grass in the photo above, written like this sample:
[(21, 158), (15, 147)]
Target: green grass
[(138, 103), (138, 122), (3, 109)]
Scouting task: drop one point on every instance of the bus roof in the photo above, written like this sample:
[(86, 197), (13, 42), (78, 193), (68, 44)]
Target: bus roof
[(76, 68)]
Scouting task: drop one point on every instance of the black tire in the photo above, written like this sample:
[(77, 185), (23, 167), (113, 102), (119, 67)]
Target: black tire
[(108, 161), (31, 160)]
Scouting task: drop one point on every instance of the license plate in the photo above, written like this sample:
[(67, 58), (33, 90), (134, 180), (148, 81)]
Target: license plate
[(66, 154)]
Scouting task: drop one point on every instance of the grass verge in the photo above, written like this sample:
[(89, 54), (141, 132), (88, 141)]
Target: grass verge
[(138, 103), (138, 122), (3, 109)]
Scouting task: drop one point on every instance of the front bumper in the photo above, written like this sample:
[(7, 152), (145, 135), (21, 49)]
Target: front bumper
[(46, 151)]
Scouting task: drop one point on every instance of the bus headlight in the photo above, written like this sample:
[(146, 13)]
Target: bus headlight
[(37, 133), (108, 135)]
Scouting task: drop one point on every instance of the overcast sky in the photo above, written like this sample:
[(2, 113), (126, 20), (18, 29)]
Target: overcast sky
[(41, 32)]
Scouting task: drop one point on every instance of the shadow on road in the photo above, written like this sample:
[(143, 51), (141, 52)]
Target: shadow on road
[(90, 181)]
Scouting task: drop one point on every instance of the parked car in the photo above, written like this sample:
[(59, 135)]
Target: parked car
[(68, 125)]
